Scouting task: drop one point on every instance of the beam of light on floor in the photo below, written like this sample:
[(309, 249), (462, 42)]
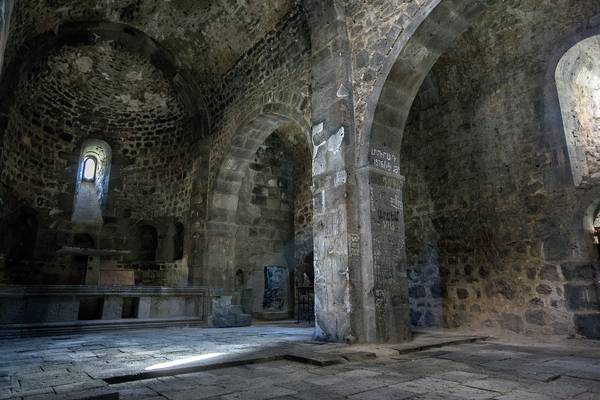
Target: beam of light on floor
[(183, 361)]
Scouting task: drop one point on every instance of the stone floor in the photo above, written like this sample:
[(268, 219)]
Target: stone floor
[(73, 367)]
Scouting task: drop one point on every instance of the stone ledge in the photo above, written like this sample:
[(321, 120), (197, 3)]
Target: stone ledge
[(79, 290), (59, 328)]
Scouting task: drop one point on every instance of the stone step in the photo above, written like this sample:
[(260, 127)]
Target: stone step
[(274, 316), (234, 359), (231, 320), (423, 342), (588, 325), (227, 315), (65, 328), (235, 309)]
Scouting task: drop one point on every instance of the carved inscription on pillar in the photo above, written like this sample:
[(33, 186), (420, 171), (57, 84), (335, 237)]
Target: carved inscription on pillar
[(389, 270), (385, 160)]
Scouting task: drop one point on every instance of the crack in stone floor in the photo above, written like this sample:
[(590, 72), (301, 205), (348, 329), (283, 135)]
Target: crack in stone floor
[(75, 366)]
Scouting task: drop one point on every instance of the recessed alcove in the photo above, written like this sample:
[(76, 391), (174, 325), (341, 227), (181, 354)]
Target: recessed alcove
[(578, 85)]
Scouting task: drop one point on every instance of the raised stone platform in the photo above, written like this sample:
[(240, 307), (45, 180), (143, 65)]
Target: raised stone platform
[(224, 314), (36, 306), (79, 327)]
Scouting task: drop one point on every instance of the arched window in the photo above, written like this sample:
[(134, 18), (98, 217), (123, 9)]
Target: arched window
[(578, 85), (92, 182), (90, 166)]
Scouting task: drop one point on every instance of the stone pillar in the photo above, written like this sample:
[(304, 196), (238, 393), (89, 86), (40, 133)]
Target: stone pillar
[(383, 256), (3, 274), (6, 7), (360, 271), (113, 307), (337, 310), (195, 232), (144, 306)]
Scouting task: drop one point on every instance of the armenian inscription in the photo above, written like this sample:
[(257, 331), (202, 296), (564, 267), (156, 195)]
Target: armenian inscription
[(385, 160)]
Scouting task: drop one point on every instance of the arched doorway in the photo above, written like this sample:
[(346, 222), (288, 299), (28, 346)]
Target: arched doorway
[(224, 201), (578, 86), (274, 211), (483, 209), (260, 213)]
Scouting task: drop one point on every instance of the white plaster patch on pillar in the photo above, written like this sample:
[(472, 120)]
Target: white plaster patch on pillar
[(318, 162), (317, 135), (340, 178), (318, 141), (343, 92), (334, 143)]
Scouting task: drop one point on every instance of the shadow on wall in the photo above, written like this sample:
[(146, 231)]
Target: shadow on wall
[(147, 243), (23, 235), (425, 291), (178, 240)]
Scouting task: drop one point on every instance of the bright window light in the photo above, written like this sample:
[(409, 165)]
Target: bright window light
[(89, 169), (183, 361)]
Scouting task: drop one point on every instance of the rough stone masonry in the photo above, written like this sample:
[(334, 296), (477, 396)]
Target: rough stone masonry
[(391, 165)]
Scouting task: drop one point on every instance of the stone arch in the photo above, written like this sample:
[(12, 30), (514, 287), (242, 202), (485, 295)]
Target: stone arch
[(554, 126), (579, 263), (223, 201), (431, 33), (581, 228)]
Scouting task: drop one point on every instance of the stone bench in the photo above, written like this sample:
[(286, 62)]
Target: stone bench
[(52, 304)]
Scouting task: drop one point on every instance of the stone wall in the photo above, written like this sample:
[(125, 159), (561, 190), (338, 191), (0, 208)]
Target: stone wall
[(578, 85), (102, 93), (275, 71), (375, 27), (86, 92), (267, 90), (265, 209), (5, 14), (490, 202), (207, 39), (303, 204), (265, 231)]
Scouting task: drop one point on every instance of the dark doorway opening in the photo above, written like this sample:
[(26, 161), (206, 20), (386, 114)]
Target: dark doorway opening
[(24, 232), (178, 241), (148, 241)]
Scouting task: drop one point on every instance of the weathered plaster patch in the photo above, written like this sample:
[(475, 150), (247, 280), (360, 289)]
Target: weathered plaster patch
[(343, 91), (334, 143), (84, 64)]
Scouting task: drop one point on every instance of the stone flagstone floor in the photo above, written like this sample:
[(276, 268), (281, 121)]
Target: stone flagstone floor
[(72, 367)]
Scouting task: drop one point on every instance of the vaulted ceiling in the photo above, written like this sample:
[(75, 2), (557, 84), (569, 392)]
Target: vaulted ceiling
[(206, 36)]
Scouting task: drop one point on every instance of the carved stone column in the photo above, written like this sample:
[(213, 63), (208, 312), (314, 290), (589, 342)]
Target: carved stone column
[(360, 272)]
